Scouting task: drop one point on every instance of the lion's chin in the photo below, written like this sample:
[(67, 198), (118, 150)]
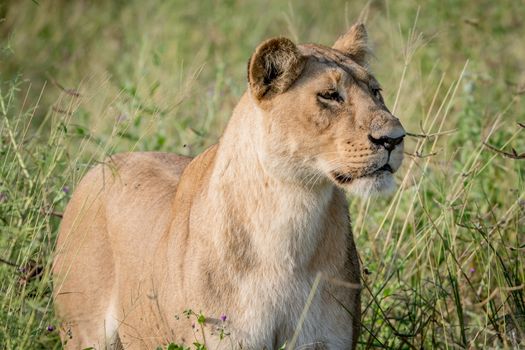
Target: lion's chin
[(378, 183)]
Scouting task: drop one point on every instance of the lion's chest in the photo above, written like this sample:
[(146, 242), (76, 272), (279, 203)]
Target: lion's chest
[(271, 307)]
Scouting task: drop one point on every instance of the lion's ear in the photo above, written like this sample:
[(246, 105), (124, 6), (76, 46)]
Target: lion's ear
[(354, 44), (274, 67)]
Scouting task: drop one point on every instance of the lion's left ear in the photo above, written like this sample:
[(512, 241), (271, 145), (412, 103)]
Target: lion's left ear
[(354, 44)]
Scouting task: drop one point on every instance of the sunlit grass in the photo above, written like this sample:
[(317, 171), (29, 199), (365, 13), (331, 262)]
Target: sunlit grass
[(443, 257)]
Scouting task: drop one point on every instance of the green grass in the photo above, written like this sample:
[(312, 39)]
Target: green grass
[(443, 257)]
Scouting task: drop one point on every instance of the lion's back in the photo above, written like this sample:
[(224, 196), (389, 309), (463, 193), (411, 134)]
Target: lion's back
[(125, 201)]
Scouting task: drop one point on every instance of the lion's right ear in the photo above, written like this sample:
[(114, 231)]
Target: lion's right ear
[(274, 67), (354, 44)]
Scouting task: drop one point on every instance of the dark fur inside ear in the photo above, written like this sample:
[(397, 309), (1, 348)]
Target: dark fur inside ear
[(354, 44), (274, 67)]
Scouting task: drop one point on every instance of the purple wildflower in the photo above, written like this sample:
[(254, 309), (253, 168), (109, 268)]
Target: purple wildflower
[(65, 189), (50, 328), (223, 318), (472, 270), (122, 118)]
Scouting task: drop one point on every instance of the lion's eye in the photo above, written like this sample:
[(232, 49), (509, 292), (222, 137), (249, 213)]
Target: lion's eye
[(331, 95), (377, 93)]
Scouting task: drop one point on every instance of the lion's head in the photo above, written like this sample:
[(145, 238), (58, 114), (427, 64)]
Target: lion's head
[(324, 114)]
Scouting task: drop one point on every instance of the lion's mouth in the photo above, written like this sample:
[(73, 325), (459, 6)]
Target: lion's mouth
[(342, 178), (385, 167)]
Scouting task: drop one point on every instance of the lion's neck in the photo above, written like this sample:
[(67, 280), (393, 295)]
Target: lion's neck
[(282, 216)]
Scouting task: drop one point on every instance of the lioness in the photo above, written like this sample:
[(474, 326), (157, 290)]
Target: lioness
[(240, 232)]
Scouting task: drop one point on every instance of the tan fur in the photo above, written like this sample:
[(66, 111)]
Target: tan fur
[(244, 228)]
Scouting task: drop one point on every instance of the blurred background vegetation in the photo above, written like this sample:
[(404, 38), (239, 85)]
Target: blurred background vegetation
[(443, 257)]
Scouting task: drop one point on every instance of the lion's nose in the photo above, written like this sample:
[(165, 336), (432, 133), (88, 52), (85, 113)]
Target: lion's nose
[(388, 142)]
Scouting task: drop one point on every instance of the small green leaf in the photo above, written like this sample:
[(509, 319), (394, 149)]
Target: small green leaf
[(187, 313), (199, 346)]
